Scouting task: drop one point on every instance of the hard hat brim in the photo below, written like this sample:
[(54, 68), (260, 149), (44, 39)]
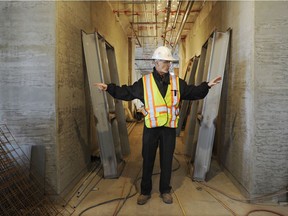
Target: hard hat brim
[(165, 59)]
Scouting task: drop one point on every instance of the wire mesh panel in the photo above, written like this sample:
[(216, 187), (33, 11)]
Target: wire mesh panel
[(21, 192)]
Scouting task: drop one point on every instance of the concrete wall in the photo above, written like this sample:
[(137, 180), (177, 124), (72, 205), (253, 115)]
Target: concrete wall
[(253, 130), (27, 75), (271, 97), (72, 93)]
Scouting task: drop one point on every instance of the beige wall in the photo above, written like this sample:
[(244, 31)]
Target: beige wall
[(236, 113), (252, 127), (105, 22)]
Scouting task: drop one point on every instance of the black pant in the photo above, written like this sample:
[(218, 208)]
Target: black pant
[(166, 138)]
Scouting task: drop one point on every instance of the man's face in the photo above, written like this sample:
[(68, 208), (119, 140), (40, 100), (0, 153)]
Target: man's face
[(162, 66)]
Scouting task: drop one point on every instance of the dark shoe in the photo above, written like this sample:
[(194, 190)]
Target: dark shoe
[(167, 198), (142, 199)]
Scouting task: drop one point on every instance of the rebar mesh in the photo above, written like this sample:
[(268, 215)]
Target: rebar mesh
[(21, 193)]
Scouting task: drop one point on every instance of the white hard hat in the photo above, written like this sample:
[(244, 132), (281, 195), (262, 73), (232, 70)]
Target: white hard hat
[(163, 53)]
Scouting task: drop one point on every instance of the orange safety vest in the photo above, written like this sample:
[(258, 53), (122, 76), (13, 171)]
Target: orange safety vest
[(161, 111)]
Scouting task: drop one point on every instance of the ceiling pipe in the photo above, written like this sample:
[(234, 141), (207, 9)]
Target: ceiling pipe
[(167, 21), (136, 2), (139, 12), (175, 21), (188, 9), (151, 23), (137, 38), (147, 36), (133, 27), (156, 30)]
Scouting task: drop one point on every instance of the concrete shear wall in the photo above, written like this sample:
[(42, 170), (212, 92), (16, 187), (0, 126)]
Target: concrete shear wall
[(27, 75)]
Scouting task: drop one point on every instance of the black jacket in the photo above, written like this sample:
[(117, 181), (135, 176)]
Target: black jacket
[(135, 91)]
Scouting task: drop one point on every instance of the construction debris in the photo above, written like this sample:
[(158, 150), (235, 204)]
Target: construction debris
[(20, 189)]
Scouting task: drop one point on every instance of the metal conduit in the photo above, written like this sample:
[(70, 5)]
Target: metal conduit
[(167, 21), (175, 21), (156, 22), (188, 9), (133, 27)]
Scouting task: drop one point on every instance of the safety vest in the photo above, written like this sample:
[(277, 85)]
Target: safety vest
[(161, 111)]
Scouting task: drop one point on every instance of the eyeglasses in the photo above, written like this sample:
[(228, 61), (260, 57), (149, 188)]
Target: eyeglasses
[(165, 62)]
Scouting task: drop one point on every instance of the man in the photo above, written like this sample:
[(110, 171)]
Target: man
[(161, 93)]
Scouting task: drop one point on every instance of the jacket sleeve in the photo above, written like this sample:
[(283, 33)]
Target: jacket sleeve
[(192, 92), (125, 92)]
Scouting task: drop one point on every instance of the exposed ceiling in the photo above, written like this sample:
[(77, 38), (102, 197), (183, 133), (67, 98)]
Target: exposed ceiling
[(155, 23)]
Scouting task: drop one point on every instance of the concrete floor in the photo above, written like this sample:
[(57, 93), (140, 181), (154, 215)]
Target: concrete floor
[(190, 198)]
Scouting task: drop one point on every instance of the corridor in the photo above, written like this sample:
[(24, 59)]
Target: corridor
[(189, 198)]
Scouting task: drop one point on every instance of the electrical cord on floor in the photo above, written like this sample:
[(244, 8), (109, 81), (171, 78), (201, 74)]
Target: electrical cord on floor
[(113, 200), (264, 210), (245, 200), (137, 179), (180, 204), (280, 192), (122, 194), (128, 196), (221, 202)]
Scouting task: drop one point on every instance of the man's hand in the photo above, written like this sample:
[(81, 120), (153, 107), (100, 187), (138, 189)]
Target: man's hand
[(215, 81), (101, 86)]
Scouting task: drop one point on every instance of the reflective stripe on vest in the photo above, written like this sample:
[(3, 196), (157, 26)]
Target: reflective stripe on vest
[(161, 111)]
